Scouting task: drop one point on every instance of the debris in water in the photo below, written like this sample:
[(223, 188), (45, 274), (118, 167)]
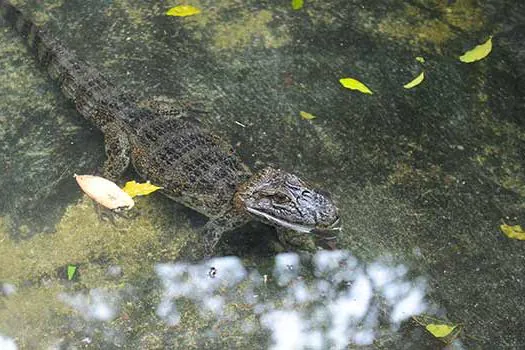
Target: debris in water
[(134, 188), (71, 271), (354, 84), (183, 11), (297, 4), (514, 232), (105, 192), (307, 116), (415, 82), (477, 53)]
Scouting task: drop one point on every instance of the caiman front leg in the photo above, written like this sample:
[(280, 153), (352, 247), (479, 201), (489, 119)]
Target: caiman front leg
[(117, 161), (214, 229), (117, 151)]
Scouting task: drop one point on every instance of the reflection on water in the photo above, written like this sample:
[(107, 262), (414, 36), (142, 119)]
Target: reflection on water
[(96, 305), (7, 343), (342, 304), (326, 301)]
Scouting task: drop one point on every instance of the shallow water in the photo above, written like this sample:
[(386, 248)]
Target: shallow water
[(423, 178)]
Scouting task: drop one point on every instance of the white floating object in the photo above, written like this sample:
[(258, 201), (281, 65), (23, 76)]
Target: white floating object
[(105, 192)]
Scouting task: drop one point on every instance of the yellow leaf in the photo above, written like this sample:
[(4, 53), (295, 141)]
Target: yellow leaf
[(439, 330), (354, 84), (415, 82), (307, 116), (477, 53), (183, 11), (135, 189), (515, 232), (420, 59), (297, 4)]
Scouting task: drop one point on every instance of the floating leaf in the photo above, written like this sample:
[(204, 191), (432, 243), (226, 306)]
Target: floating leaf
[(307, 116), (104, 192), (439, 330), (416, 81), (514, 232), (354, 84), (477, 53), (71, 270), (297, 4), (136, 189), (183, 11), (420, 59)]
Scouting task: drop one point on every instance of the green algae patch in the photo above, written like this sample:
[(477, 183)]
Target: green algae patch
[(136, 13), (81, 237), (34, 316), (20, 82), (415, 24), (229, 26), (240, 33), (502, 157), (40, 13), (38, 267), (3, 230)]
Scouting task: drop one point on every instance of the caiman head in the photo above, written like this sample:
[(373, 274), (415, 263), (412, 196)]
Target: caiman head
[(283, 200)]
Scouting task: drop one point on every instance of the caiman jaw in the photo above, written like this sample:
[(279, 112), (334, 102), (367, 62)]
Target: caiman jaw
[(279, 222), (336, 226), (283, 200)]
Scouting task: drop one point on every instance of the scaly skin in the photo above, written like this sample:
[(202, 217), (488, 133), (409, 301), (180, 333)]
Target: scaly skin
[(167, 147)]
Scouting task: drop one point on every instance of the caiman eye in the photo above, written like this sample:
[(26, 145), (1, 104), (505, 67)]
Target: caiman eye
[(280, 198)]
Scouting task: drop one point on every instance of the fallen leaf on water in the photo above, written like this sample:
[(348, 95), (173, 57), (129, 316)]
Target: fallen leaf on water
[(183, 11), (515, 232), (297, 4), (439, 330), (416, 81), (307, 116), (71, 270), (420, 59), (139, 189), (104, 192), (477, 53), (354, 84)]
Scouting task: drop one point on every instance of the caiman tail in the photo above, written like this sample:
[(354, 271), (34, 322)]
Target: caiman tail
[(94, 96)]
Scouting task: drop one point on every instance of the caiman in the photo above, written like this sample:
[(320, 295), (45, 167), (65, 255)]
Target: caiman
[(192, 165)]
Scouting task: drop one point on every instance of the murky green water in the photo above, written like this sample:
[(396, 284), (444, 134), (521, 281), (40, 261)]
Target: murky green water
[(424, 177)]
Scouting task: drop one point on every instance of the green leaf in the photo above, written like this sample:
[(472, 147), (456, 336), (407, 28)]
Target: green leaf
[(354, 84), (514, 232), (297, 4), (307, 116), (71, 270), (183, 11), (420, 59), (477, 53), (415, 82), (439, 330)]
